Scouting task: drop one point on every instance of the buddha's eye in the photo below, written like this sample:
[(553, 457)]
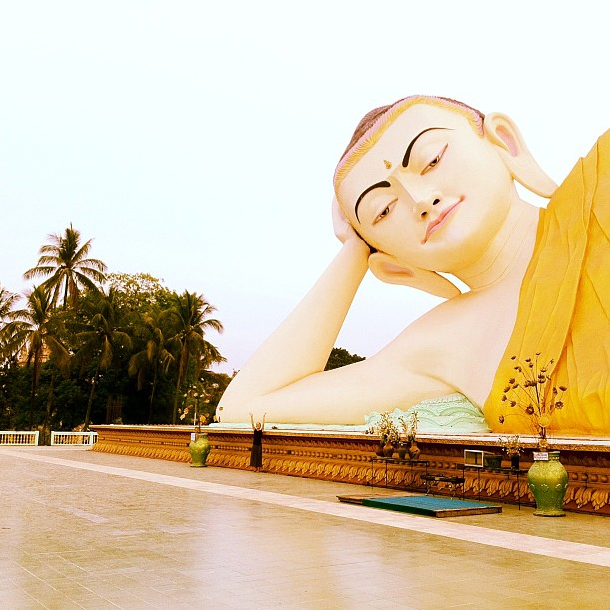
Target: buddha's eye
[(385, 212), (435, 161)]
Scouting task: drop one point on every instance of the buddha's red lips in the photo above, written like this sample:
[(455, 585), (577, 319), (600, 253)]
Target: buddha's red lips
[(437, 223)]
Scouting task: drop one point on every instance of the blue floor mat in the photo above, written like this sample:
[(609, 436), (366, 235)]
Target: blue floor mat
[(433, 506)]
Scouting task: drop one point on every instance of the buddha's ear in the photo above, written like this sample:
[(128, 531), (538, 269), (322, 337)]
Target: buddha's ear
[(502, 131), (388, 270)]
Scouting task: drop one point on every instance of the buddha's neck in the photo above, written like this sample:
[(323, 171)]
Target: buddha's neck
[(509, 253)]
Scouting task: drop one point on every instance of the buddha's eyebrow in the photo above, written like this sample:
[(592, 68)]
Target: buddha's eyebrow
[(383, 184), (405, 160)]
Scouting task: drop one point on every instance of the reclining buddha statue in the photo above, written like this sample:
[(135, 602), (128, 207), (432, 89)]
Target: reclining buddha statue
[(424, 191)]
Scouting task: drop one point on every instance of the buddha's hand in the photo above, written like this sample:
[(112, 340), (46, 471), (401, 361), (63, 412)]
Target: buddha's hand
[(343, 229)]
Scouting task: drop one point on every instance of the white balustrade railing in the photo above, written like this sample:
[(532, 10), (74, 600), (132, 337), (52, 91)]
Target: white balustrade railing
[(18, 437), (73, 438)]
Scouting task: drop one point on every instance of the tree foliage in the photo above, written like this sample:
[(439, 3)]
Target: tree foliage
[(138, 292), (189, 315), (154, 358), (32, 334), (85, 342), (341, 357), (8, 301), (100, 341)]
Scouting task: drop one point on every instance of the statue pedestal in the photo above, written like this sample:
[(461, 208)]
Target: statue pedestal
[(346, 457)]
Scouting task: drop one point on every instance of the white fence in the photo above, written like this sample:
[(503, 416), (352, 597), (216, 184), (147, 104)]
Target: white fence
[(73, 438), (13, 437)]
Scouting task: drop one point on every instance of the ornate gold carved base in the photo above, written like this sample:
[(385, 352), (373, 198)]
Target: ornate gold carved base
[(346, 457)]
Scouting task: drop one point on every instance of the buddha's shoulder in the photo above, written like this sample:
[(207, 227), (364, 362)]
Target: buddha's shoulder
[(457, 319), (605, 137), (601, 146)]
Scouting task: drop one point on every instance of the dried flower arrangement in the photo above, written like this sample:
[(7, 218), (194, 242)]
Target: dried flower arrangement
[(534, 396), (386, 429), (409, 426)]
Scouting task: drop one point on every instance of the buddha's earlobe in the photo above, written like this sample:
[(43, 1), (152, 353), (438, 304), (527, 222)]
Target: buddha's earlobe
[(385, 268), (501, 131)]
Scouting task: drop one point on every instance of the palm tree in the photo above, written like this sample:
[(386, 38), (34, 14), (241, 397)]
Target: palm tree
[(210, 356), (64, 261), (7, 302), (155, 356), (100, 341), (34, 333), (189, 314)]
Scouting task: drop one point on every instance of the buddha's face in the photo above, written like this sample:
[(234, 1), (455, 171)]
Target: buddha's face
[(432, 192)]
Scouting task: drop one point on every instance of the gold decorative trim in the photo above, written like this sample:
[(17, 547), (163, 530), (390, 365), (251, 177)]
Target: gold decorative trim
[(346, 457)]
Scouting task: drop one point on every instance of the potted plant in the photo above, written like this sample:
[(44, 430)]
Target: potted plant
[(403, 445), (409, 428), (414, 451), (534, 396), (388, 433), (199, 447)]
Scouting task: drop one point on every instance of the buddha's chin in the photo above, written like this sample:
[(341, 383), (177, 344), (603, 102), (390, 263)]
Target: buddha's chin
[(448, 252)]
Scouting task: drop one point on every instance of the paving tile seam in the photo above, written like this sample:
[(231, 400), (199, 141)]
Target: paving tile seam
[(514, 541)]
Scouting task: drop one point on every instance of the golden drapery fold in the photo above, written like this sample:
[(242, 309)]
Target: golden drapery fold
[(564, 304)]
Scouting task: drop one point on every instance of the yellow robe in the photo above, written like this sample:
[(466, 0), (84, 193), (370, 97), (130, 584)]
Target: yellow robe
[(564, 304)]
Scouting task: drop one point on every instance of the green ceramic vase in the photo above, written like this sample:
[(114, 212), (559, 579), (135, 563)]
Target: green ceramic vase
[(548, 481), (200, 449)]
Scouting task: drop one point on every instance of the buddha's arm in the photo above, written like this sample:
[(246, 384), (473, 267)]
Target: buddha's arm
[(303, 342), (395, 377)]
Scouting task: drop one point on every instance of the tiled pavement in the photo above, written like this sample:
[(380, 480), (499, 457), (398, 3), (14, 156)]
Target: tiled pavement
[(80, 529)]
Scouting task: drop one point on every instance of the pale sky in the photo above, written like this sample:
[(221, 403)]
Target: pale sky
[(196, 141)]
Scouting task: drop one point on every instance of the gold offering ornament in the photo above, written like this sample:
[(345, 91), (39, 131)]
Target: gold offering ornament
[(511, 444)]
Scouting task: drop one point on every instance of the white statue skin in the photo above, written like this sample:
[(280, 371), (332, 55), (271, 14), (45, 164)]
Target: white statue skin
[(453, 209)]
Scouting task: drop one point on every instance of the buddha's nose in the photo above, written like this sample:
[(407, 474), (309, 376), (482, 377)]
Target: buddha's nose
[(423, 203), (423, 207), (422, 197)]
